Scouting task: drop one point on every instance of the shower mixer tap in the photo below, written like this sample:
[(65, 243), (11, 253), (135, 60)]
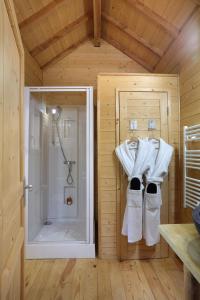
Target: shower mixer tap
[(69, 162)]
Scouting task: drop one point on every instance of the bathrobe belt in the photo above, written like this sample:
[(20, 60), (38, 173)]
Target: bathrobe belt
[(157, 180)]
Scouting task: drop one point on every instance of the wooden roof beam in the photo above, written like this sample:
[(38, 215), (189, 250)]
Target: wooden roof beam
[(130, 54), (124, 29), (39, 14), (59, 35), (97, 22), (64, 53), (153, 16)]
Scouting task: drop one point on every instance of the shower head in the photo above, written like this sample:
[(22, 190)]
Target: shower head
[(53, 111), (56, 113)]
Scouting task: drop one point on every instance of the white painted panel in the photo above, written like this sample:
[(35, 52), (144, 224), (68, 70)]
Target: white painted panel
[(59, 250)]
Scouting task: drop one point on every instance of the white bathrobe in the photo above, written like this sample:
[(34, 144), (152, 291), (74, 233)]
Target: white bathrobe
[(126, 153), (135, 163), (152, 202)]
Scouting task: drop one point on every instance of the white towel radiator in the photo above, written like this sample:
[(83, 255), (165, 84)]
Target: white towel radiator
[(191, 186)]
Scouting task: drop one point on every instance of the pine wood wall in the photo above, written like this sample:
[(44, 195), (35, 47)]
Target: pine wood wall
[(33, 73), (184, 58), (108, 207), (82, 66)]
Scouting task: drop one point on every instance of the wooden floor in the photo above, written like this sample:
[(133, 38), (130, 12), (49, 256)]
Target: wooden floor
[(101, 279)]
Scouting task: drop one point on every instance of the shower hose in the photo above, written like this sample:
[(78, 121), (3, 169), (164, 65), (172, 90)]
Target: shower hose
[(69, 163)]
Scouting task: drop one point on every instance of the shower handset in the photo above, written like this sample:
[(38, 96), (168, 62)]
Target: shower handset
[(56, 114)]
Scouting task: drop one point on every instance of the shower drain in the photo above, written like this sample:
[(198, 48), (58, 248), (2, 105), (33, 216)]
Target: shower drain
[(47, 223)]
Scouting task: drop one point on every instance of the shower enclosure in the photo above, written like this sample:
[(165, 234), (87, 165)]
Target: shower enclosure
[(59, 172)]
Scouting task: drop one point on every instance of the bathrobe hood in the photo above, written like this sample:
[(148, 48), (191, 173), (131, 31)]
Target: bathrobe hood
[(135, 161), (143, 157), (159, 163), (126, 156)]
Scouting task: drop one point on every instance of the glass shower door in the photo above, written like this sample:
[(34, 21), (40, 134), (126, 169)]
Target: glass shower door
[(57, 209)]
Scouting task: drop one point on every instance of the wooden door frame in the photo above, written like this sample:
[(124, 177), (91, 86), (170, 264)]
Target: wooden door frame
[(117, 139), (7, 270)]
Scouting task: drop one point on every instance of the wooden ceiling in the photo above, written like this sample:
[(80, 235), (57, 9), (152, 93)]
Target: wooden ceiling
[(142, 29)]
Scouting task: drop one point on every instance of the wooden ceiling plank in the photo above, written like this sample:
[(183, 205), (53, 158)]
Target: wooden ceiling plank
[(97, 22), (39, 14), (197, 2), (181, 29), (64, 53), (130, 54), (59, 35), (124, 29), (153, 16)]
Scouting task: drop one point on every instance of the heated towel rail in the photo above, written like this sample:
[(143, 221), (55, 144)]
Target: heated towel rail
[(191, 162)]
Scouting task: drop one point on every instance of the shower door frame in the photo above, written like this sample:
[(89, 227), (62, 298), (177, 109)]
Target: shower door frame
[(69, 249)]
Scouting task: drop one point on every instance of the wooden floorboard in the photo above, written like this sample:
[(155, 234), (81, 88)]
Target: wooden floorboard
[(81, 279)]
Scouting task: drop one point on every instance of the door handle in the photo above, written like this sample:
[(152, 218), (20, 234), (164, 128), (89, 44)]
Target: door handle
[(28, 187)]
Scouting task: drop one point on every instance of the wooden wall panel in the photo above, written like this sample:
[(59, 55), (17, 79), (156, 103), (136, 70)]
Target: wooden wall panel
[(68, 98), (33, 73), (108, 206), (184, 57), (83, 65)]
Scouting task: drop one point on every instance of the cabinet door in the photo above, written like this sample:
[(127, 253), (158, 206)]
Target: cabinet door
[(142, 106), (11, 155)]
